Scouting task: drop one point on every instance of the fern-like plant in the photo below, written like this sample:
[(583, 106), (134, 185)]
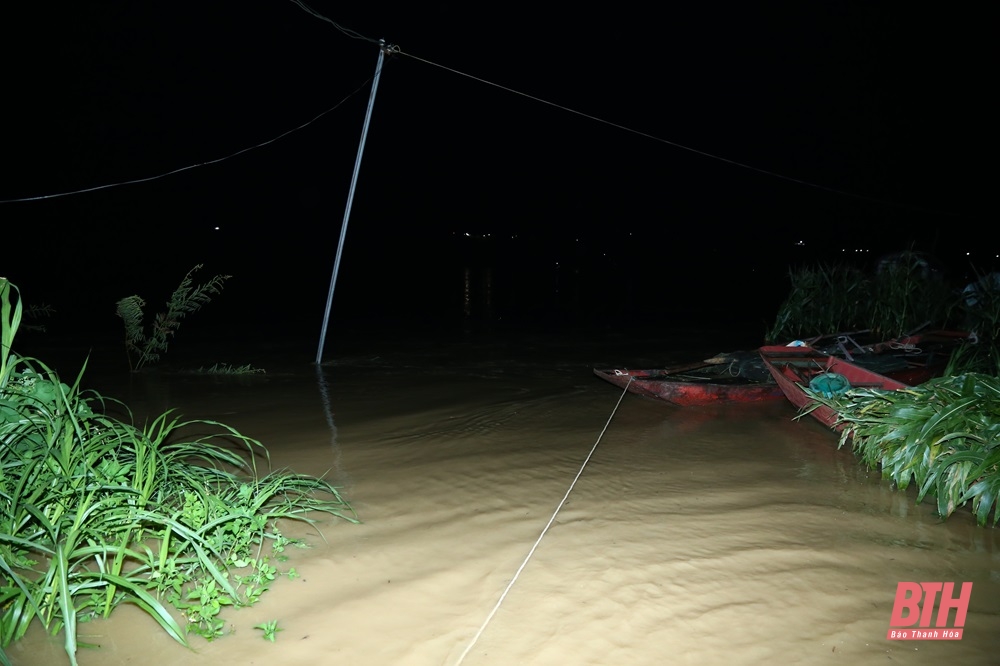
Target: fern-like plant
[(143, 349)]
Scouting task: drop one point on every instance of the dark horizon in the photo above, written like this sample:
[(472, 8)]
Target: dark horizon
[(668, 164)]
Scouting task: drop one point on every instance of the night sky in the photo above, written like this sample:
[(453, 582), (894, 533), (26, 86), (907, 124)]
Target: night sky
[(624, 158)]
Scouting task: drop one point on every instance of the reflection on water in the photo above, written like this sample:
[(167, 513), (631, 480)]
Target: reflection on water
[(694, 536), (477, 294)]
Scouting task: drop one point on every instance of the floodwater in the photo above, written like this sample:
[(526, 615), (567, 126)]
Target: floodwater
[(518, 510)]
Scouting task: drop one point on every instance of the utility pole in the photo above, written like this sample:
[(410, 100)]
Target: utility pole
[(350, 198)]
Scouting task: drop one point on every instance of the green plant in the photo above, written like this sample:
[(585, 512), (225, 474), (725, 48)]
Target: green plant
[(980, 303), (35, 313), (96, 511), (822, 300), (942, 436), (10, 319), (269, 628), (142, 348), (900, 298), (908, 296)]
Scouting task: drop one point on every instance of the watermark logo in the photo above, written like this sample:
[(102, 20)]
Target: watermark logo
[(914, 607)]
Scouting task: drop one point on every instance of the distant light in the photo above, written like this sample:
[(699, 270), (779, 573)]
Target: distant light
[(217, 228)]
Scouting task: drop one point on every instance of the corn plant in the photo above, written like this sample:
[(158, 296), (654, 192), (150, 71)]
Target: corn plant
[(822, 300), (96, 511), (980, 304), (142, 347), (898, 299), (942, 436), (906, 296)]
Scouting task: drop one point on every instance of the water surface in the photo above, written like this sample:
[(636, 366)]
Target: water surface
[(687, 536)]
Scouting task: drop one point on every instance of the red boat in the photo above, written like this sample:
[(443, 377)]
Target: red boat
[(701, 383), (743, 376), (794, 368), (911, 359)]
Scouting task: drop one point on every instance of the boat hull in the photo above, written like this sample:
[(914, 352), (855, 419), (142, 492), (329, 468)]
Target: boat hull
[(700, 385), (742, 377)]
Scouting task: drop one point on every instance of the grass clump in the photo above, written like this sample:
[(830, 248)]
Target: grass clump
[(96, 512)]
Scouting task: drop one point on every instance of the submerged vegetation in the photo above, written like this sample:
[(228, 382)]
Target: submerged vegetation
[(145, 348), (98, 512), (898, 298), (229, 369), (980, 301), (942, 436)]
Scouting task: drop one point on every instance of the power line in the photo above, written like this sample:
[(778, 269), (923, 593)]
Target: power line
[(395, 50), (135, 181), (742, 165), (689, 149), (347, 31)]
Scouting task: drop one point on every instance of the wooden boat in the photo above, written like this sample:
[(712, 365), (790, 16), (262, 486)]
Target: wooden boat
[(699, 383), (743, 376), (911, 359), (794, 368)]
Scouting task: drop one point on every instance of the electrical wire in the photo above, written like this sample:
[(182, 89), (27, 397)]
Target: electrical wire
[(146, 179), (674, 144), (347, 31), (395, 50)]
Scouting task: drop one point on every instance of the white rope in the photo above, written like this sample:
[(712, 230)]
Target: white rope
[(531, 552)]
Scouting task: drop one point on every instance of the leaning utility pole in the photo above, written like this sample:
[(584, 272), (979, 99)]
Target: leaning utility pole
[(350, 199)]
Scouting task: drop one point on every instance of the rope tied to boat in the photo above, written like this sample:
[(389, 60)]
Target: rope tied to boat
[(531, 552)]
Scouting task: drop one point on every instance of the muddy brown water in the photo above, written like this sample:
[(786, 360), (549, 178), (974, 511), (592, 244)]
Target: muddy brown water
[(721, 535)]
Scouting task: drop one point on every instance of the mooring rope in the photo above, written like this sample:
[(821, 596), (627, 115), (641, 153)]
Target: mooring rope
[(531, 552)]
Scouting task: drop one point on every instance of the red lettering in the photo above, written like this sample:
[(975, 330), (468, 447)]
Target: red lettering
[(961, 605), (907, 599), (930, 596)]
